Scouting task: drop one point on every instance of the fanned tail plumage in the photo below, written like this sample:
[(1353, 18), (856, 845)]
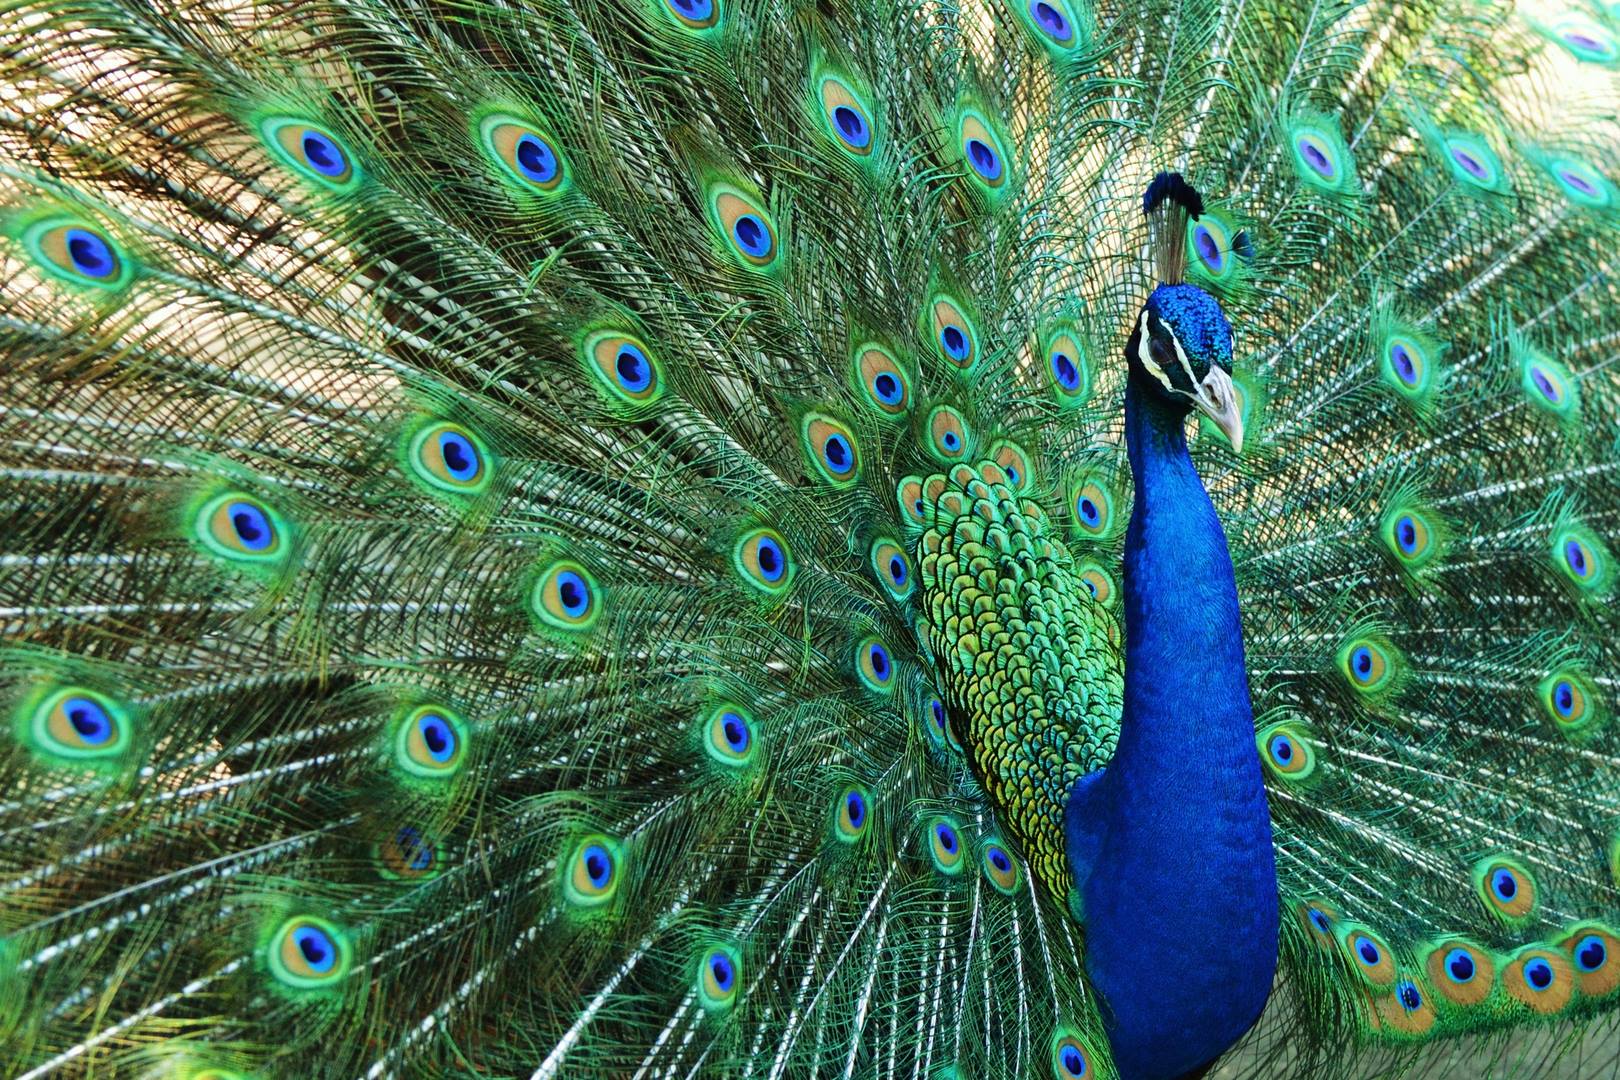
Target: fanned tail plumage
[(577, 539)]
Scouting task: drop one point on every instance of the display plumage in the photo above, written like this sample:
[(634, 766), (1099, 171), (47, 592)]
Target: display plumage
[(590, 540)]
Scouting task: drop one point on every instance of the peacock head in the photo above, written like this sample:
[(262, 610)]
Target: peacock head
[(1180, 351)]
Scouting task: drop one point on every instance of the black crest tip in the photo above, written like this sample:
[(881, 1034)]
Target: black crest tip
[(1170, 187)]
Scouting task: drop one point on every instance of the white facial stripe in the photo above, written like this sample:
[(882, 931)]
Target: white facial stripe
[(1181, 355), (1145, 354)]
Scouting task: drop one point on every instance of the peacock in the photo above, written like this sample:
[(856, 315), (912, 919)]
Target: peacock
[(809, 538)]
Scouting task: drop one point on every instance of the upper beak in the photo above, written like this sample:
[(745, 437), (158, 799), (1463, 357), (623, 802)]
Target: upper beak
[(1217, 398)]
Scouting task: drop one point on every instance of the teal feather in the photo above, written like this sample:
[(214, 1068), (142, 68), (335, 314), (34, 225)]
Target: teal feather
[(524, 523)]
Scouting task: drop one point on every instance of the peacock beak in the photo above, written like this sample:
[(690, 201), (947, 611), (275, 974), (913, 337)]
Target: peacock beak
[(1217, 398)]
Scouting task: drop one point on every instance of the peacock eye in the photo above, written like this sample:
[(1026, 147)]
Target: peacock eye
[(431, 742), (847, 118), (981, 149), (565, 597), (762, 559), (624, 368), (525, 156), (241, 529), (448, 457), (945, 845), (999, 868), (745, 226), (718, 973), (1459, 966), (1070, 1059), (592, 876), (1507, 888), (310, 150), (77, 253), (730, 736), (954, 332), (892, 568), (694, 14), (948, 434), (875, 665), (1407, 993), (74, 725), (1591, 953), (852, 814), (407, 854), (308, 953), (831, 449), (881, 379), (1051, 20)]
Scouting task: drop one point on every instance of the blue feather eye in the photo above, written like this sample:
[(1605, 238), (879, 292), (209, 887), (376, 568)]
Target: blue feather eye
[(999, 868), (1316, 155), (1591, 948), (311, 150), (1411, 536), (77, 253), (241, 529), (407, 855), (307, 953), (1591, 954), (954, 333), (1097, 583), (591, 876), (1052, 19), (846, 116), (830, 448), (1067, 370), (74, 725), (745, 226), (1581, 183), (624, 368), (1462, 973), (1407, 993), (1548, 385), (1473, 162), (564, 597), (1540, 978), (1506, 887), (1581, 559), (948, 436), (875, 665), (729, 737), (1584, 39), (1093, 509), (853, 815), (1014, 465), (1371, 665), (1371, 956), (1318, 920), (719, 972), (431, 742), (526, 157), (1320, 155), (1569, 701), (1070, 1058), (983, 150), (447, 457), (882, 381), (909, 495), (694, 14), (762, 559), (945, 845), (1286, 753), (892, 568)]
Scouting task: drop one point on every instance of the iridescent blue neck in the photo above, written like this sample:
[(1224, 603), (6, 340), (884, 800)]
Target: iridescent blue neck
[(1174, 839)]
